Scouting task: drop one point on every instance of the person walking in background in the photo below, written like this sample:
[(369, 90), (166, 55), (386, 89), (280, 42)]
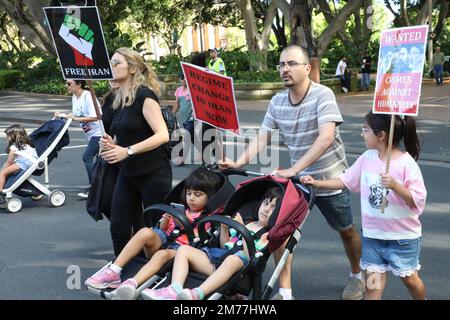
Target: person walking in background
[(307, 117), (391, 240), (216, 64), (140, 145), (183, 105), (342, 74), (366, 63), (83, 111), (438, 66)]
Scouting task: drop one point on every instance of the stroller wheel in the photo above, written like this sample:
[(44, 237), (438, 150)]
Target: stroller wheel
[(57, 198), (37, 198), (14, 205)]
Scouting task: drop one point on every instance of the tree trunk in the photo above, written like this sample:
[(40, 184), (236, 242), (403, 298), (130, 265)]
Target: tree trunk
[(404, 13), (280, 31), (443, 14), (423, 17), (257, 43), (27, 15), (301, 19)]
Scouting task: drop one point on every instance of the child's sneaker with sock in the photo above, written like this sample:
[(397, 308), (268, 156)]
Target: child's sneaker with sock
[(189, 294), (105, 278), (167, 293), (127, 290)]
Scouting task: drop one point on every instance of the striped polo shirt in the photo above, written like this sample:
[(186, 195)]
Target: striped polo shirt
[(298, 126)]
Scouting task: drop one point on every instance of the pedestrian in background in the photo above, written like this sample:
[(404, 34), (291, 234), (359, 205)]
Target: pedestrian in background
[(343, 75), (83, 111), (366, 63), (438, 66), (216, 64)]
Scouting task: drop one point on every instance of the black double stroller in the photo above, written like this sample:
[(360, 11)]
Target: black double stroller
[(285, 224)]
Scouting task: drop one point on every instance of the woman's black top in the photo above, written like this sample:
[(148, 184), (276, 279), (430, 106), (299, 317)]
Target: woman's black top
[(131, 127), (108, 113)]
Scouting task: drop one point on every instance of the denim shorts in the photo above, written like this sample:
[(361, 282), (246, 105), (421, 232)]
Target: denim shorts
[(337, 210), (163, 236), (215, 255), (23, 163), (399, 256)]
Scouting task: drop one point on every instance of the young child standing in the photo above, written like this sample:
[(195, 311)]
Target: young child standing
[(200, 185), (21, 152), (391, 240), (208, 261)]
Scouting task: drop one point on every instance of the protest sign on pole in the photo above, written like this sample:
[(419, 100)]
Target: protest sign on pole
[(399, 78), (212, 97), (400, 68), (78, 38)]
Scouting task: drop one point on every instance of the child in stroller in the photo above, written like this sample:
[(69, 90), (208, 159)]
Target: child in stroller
[(48, 139), (21, 153), (283, 230), (161, 242), (220, 264)]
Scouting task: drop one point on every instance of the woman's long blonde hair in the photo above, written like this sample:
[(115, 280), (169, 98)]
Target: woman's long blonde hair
[(143, 76)]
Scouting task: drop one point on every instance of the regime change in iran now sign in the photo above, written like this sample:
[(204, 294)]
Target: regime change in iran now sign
[(212, 97), (400, 68), (78, 38)]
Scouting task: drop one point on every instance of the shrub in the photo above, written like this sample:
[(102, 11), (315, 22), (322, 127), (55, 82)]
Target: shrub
[(9, 78), (257, 76)]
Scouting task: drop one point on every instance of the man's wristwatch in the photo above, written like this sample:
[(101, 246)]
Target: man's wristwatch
[(130, 151)]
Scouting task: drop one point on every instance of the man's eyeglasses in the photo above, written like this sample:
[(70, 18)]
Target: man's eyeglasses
[(115, 62), (68, 83), (290, 64)]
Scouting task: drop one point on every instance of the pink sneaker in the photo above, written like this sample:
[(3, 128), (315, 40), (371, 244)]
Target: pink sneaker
[(167, 293), (188, 294), (127, 290), (103, 279)]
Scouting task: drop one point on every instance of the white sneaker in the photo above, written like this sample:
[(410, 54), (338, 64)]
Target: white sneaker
[(344, 89), (84, 194)]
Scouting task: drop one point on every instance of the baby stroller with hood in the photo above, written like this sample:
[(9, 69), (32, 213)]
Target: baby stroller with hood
[(285, 223), (48, 140), (172, 207)]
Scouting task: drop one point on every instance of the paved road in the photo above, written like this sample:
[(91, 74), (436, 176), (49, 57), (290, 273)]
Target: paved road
[(44, 248)]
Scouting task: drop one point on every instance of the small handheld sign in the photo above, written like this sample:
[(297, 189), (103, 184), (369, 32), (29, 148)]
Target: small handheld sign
[(212, 97), (399, 77)]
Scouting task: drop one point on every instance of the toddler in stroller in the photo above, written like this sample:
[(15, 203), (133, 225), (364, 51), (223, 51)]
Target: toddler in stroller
[(272, 208), (30, 155), (202, 192)]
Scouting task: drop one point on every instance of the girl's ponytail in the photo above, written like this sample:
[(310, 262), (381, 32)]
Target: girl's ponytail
[(412, 143)]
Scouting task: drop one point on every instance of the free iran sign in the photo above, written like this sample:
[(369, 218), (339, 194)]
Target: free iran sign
[(78, 38)]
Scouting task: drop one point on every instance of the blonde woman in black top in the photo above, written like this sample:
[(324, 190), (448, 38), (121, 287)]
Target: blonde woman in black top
[(139, 145)]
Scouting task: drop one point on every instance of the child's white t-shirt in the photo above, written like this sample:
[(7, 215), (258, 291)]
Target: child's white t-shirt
[(399, 221), (83, 106), (24, 160)]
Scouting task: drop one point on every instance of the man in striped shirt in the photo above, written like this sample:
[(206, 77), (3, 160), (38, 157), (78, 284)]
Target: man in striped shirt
[(308, 118)]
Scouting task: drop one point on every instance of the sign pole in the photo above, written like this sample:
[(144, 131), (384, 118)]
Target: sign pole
[(96, 107), (388, 159), (221, 150)]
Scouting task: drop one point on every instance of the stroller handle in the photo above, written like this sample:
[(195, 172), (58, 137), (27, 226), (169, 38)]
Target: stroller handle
[(240, 228), (180, 216), (308, 190)]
